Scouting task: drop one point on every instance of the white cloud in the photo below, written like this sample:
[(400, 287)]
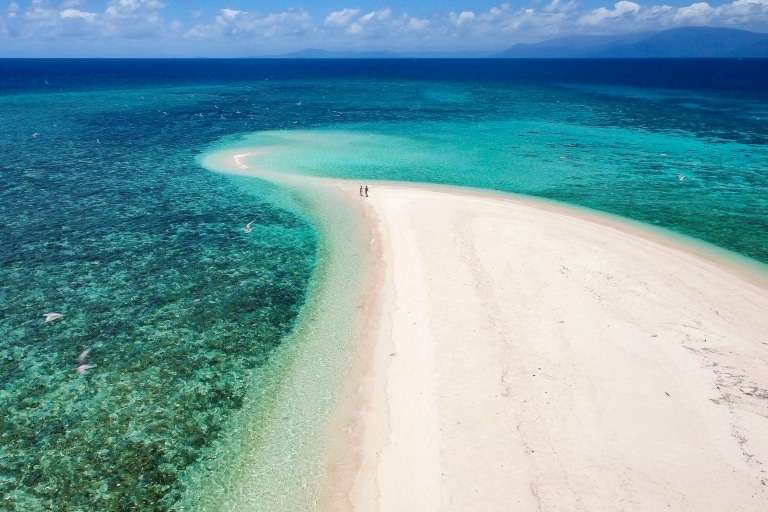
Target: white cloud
[(121, 21), (340, 18), (632, 17), (368, 17), (559, 6), (251, 25), (695, 14), (501, 12), (403, 31), (372, 25), (462, 18), (227, 15), (75, 13), (133, 19), (127, 7), (416, 24), (381, 15), (44, 20), (600, 15)]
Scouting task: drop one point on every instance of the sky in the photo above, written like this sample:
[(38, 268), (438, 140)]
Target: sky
[(250, 28)]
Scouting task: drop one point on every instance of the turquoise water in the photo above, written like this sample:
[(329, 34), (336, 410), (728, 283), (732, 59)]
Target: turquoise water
[(115, 226), (691, 183), (201, 398)]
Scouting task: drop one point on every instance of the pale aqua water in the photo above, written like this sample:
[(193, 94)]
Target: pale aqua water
[(107, 216)]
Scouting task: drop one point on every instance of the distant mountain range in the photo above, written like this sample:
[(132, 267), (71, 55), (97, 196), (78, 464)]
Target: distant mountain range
[(685, 42), (679, 43), (314, 53)]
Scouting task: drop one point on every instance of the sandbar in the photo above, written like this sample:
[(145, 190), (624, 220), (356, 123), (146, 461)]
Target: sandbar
[(524, 357), (514, 354)]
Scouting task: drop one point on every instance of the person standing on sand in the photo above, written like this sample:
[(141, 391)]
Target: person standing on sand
[(366, 191), (361, 190)]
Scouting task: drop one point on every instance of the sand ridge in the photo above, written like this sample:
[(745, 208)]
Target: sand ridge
[(530, 360)]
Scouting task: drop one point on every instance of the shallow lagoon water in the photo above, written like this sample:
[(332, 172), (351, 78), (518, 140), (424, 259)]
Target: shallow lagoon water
[(179, 308), (108, 217), (681, 181)]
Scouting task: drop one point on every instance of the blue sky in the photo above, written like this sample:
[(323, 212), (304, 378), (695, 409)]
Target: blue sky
[(235, 28)]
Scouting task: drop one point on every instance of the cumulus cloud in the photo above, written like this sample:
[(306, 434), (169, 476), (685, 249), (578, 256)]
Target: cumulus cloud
[(737, 13), (627, 16), (698, 14), (559, 6), (417, 24), (352, 28), (459, 19), (600, 15), (381, 15), (341, 18), (374, 25), (133, 18), (76, 13), (122, 7), (251, 25), (43, 19), (228, 14)]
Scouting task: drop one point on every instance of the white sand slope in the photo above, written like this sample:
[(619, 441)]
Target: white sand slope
[(527, 359)]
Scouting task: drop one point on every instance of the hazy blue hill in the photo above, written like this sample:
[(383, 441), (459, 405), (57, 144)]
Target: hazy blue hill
[(314, 53), (684, 42), (695, 42), (759, 49), (571, 47)]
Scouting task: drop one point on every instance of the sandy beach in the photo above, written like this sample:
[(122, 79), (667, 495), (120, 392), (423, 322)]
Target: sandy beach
[(523, 357), (517, 354)]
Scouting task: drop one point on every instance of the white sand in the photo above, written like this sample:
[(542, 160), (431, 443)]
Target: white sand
[(525, 357), (528, 359)]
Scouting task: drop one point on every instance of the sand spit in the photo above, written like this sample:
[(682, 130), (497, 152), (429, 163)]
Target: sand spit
[(527, 359), (520, 356)]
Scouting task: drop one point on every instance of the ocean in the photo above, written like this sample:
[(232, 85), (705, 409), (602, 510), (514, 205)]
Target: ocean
[(109, 216)]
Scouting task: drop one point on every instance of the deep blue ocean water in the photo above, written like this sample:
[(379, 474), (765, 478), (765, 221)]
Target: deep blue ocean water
[(107, 217)]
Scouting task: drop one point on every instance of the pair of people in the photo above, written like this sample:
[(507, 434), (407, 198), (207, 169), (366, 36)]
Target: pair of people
[(366, 190)]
